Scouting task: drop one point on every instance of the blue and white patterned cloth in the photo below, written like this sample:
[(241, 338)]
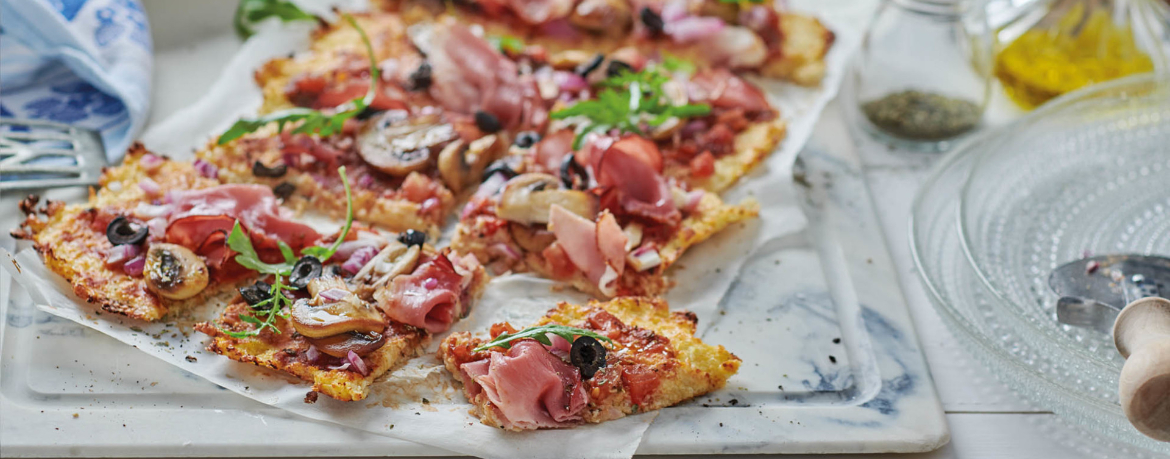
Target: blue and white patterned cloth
[(81, 62)]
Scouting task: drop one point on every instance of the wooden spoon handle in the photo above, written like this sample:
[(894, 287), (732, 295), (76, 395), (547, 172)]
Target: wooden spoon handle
[(1142, 335)]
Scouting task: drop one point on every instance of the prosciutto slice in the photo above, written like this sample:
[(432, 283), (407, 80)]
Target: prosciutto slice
[(636, 188), (469, 75), (597, 249), (529, 386), (430, 298), (723, 89)]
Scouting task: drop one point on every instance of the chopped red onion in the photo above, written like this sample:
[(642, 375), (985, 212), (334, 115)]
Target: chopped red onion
[(135, 266), (693, 200), (206, 169), (157, 226), (429, 205), (358, 363), (674, 10), (505, 250), (344, 366), (365, 181), (692, 29), (149, 186), (359, 259), (150, 162), (333, 294), (430, 283), (693, 128), (122, 253), (569, 81), (313, 353), (560, 29), (148, 211), (348, 248)]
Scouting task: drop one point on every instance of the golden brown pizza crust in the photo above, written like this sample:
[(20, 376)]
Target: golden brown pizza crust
[(685, 369), (73, 243)]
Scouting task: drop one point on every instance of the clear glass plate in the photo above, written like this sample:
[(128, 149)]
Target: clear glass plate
[(1063, 180)]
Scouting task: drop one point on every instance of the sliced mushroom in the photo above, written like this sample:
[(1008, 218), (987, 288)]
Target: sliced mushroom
[(399, 144), (462, 164), (531, 239), (727, 11), (527, 198), (602, 15), (174, 272), (340, 345), (395, 259), (570, 59), (325, 315)]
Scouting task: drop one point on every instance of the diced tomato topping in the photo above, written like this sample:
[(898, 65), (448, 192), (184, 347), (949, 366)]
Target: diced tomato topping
[(640, 381), (558, 261), (703, 165)]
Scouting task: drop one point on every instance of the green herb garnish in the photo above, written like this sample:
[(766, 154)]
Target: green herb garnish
[(313, 121), (507, 44), (628, 100), (676, 64), (540, 334), (251, 12), (265, 313)]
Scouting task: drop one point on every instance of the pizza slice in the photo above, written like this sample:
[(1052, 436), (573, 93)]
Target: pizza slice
[(153, 236), (586, 364), (352, 323), (758, 37)]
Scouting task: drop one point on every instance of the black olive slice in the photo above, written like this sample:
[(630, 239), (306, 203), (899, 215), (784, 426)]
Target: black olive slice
[(255, 293), (487, 122), (260, 170), (587, 355), (652, 20), (284, 190), (588, 67), (412, 237), (527, 139), (306, 269), (616, 68), (420, 78), (122, 231), (499, 166), (368, 112), (573, 174)]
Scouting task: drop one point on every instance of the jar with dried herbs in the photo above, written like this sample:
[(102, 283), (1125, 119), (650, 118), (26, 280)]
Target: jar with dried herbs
[(923, 76)]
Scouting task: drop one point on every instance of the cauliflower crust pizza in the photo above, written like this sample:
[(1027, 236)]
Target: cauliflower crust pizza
[(150, 238), (586, 364), (758, 37)]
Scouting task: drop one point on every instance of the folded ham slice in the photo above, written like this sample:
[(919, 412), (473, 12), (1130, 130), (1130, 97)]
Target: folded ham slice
[(430, 298), (597, 249), (723, 89), (529, 386), (469, 75), (636, 187)]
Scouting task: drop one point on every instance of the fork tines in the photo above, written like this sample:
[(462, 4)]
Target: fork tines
[(45, 154)]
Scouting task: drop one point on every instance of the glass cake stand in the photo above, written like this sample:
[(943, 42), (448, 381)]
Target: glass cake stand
[(1089, 172)]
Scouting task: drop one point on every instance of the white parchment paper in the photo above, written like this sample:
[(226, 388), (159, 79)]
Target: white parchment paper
[(421, 402)]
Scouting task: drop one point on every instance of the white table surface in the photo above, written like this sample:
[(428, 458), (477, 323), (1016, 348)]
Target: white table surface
[(986, 420)]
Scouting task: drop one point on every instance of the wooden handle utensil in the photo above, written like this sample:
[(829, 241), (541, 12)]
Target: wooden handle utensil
[(1142, 335)]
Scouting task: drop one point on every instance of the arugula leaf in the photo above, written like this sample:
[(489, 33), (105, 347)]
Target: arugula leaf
[(540, 334), (626, 101), (676, 64), (313, 121), (251, 12), (507, 44), (265, 313)]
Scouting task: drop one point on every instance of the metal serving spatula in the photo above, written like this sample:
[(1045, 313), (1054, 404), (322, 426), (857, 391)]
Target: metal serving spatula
[(1123, 294), (44, 154)]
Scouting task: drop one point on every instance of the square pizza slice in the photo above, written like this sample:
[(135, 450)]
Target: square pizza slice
[(586, 364), (354, 322), (153, 236)]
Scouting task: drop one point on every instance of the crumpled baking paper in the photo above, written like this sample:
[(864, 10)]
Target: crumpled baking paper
[(421, 402)]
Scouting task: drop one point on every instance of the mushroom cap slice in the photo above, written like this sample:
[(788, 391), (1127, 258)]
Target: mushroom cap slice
[(531, 239), (174, 272), (526, 199), (396, 143), (321, 316), (462, 164), (340, 345)]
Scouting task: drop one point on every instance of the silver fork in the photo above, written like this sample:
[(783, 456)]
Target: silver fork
[(45, 154)]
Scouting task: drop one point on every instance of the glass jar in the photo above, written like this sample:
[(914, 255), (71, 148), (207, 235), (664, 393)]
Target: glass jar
[(923, 76)]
